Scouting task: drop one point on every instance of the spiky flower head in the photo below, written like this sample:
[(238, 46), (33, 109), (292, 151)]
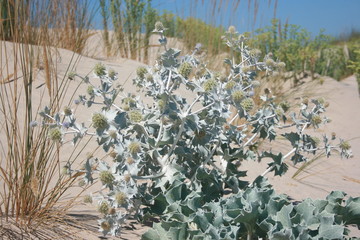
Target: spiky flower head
[(247, 104), (135, 116), (210, 85), (185, 69), (255, 84), (113, 154), (230, 85), (104, 207), (105, 225), (280, 65), (112, 211), (87, 199), (141, 72), (279, 111), (99, 70), (345, 145), (237, 96), (81, 183), (161, 104), (120, 198), (106, 177), (255, 53), (159, 27), (134, 147), (149, 77), (270, 62), (112, 74), (99, 121), (316, 120), (285, 106), (232, 29), (67, 111), (90, 90), (316, 141), (55, 134)]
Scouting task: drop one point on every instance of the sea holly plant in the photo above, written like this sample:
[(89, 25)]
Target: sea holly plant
[(177, 155)]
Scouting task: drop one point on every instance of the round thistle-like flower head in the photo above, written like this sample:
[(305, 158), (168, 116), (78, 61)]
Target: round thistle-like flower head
[(141, 72), (247, 104), (345, 145), (161, 104), (255, 84), (232, 30), (210, 85), (185, 69), (285, 106), (106, 177), (255, 53), (120, 198), (149, 77), (134, 147), (159, 27), (87, 199), (104, 208), (270, 62), (55, 134), (316, 120), (81, 183), (230, 85), (67, 111), (99, 121), (105, 225), (280, 65), (237, 96), (279, 112), (127, 178), (130, 160), (99, 70), (135, 116), (112, 74), (112, 211), (113, 154), (316, 141), (90, 90)]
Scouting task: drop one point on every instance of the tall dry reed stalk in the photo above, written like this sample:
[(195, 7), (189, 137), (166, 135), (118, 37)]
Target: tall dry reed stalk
[(32, 185)]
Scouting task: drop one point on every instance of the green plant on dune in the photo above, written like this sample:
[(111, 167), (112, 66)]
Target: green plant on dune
[(178, 156)]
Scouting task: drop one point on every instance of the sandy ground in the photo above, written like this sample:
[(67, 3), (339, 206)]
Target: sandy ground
[(316, 181)]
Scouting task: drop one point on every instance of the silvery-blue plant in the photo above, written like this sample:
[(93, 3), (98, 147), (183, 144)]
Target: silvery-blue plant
[(180, 153)]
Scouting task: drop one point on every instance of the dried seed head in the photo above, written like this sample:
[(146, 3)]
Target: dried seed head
[(135, 116), (237, 96), (112, 211), (223, 78), (106, 177), (130, 160), (127, 178), (134, 147), (113, 154), (99, 121), (88, 199), (305, 101), (120, 198), (67, 111), (210, 85), (105, 225), (104, 208), (141, 72), (333, 135), (185, 69), (55, 134), (247, 104), (99, 70)]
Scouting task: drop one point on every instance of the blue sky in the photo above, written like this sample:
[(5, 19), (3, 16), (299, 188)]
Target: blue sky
[(337, 17)]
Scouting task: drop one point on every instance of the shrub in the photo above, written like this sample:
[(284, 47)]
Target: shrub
[(189, 149)]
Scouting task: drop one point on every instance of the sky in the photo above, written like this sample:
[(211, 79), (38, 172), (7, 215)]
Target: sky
[(337, 17)]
